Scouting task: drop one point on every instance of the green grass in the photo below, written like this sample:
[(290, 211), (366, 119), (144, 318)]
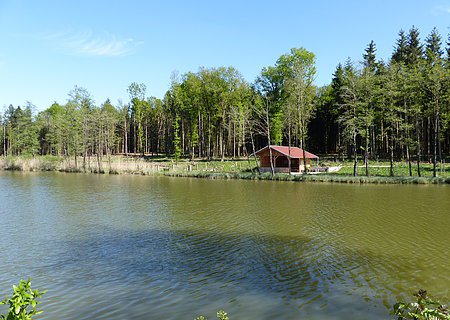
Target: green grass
[(312, 178), (381, 169)]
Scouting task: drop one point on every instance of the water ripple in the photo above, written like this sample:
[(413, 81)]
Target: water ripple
[(138, 247)]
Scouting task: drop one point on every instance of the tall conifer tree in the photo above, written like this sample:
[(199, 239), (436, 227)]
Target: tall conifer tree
[(369, 56), (401, 51), (414, 49), (447, 49), (433, 52)]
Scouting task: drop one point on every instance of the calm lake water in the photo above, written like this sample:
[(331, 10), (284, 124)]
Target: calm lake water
[(132, 247)]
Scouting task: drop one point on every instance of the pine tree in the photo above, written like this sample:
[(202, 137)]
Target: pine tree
[(337, 84), (414, 49), (447, 49), (401, 51), (369, 56), (433, 52)]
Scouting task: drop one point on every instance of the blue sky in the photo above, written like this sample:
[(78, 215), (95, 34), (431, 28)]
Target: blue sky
[(48, 47)]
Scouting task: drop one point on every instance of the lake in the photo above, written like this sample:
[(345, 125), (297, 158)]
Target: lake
[(134, 247)]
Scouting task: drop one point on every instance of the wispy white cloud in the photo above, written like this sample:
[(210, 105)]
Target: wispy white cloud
[(89, 44), (441, 9)]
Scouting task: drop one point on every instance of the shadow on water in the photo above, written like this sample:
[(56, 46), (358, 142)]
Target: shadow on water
[(184, 272), (143, 248)]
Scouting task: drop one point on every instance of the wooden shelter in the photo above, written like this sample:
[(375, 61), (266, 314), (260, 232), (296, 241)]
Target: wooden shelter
[(281, 156)]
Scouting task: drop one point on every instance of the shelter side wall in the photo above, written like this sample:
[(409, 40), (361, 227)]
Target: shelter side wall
[(264, 161)]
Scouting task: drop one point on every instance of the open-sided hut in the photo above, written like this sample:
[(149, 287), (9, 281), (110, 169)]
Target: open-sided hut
[(281, 156)]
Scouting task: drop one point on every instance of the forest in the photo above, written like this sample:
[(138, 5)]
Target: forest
[(393, 110)]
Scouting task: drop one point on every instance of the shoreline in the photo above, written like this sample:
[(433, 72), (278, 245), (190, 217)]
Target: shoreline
[(188, 170), (325, 177)]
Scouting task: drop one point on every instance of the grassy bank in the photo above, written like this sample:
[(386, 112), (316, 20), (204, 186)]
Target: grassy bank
[(313, 178), (228, 169)]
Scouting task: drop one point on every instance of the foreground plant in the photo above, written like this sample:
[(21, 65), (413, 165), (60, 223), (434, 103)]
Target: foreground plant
[(221, 315), (23, 302), (424, 309)]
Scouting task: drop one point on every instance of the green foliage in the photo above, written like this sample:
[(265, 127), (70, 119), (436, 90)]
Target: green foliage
[(20, 131), (221, 315), (23, 303), (424, 309)]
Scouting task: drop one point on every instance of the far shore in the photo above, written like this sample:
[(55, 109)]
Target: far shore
[(245, 169)]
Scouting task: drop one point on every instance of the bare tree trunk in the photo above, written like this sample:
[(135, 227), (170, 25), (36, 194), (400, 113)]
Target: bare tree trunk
[(374, 149), (439, 143), (289, 145), (303, 129), (253, 145), (125, 137), (391, 166), (408, 159), (99, 166), (201, 145), (339, 148), (428, 136), (366, 152), (382, 140), (234, 140), (84, 158), (4, 141), (355, 155), (418, 145), (272, 169), (222, 147), (75, 152), (209, 136), (182, 136), (435, 143), (248, 158)]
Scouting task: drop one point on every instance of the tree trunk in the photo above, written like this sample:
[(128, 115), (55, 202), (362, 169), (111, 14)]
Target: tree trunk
[(272, 169), (374, 149), (75, 152), (355, 156), (253, 146), (418, 145), (99, 166), (4, 141), (366, 152), (289, 145), (234, 140), (391, 166), (209, 137), (408, 159), (339, 140), (428, 136), (439, 143), (435, 143)]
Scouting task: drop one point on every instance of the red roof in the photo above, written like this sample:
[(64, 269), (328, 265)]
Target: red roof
[(295, 153)]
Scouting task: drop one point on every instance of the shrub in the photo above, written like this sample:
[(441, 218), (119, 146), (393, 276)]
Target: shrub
[(221, 315), (424, 309), (22, 300)]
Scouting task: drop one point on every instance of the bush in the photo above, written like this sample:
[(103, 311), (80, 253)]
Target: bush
[(424, 309), (22, 300), (221, 315)]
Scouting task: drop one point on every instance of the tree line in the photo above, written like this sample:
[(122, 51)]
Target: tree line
[(396, 110)]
